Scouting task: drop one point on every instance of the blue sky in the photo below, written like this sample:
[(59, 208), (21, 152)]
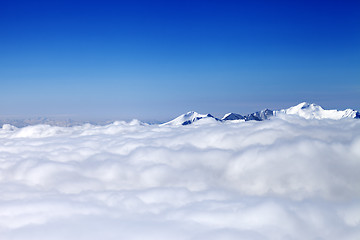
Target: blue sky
[(154, 60)]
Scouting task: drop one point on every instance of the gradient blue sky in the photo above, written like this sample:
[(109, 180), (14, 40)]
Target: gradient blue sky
[(157, 59)]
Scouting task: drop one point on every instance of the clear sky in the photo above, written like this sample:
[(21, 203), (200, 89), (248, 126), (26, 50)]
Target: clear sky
[(157, 59)]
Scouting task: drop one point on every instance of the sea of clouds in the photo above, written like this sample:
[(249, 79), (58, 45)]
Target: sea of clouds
[(286, 178)]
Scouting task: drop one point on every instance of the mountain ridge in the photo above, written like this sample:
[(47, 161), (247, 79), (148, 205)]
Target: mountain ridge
[(305, 110)]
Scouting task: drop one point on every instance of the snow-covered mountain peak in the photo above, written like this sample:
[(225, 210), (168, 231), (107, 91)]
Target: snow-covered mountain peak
[(232, 116), (191, 114), (314, 111), (188, 118), (306, 105), (304, 109)]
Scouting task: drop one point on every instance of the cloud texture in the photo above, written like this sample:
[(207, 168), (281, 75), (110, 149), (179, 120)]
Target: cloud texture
[(287, 178)]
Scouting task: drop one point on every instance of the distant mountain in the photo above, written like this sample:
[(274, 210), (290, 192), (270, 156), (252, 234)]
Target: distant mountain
[(23, 122), (260, 115), (232, 116), (313, 111), (189, 118), (304, 109), (257, 116)]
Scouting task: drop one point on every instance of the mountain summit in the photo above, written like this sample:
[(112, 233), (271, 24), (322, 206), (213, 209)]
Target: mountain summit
[(304, 110), (313, 111), (189, 118)]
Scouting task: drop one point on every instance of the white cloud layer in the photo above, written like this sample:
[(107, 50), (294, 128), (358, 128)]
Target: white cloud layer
[(287, 178)]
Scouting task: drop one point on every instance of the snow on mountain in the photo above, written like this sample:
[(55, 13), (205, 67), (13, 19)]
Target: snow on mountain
[(257, 116), (189, 118), (313, 111), (232, 116), (260, 115), (304, 109)]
